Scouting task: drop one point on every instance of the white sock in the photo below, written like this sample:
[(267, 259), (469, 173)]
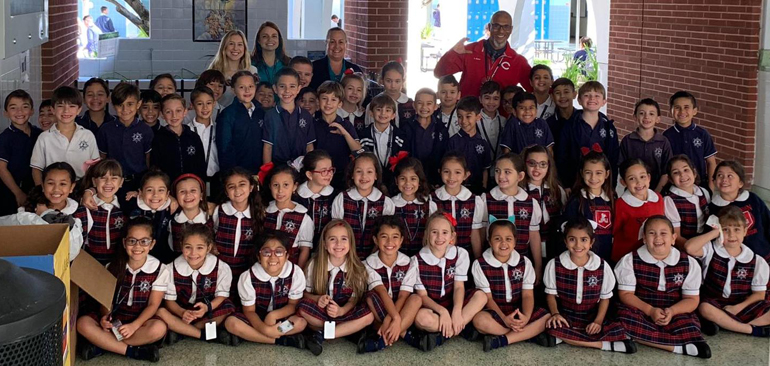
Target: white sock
[(690, 349), (606, 346), (678, 350), (559, 340)]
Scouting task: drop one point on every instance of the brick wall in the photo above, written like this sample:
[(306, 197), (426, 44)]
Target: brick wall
[(59, 54), (706, 47), (377, 31)]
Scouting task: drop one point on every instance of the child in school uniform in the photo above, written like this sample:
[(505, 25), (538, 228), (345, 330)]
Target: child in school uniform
[(270, 291), (390, 287), (593, 198), (393, 78), (283, 214), (469, 143), (563, 94), (150, 111), (730, 178), (203, 124), (633, 207), (448, 95), (382, 138), (265, 96), (126, 139), (588, 130), (690, 139), (492, 124), (507, 279), (190, 193), (579, 285), (336, 285), (352, 109), (55, 195), (316, 192), (164, 84), (216, 82), (289, 129), (506, 100), (659, 288), (542, 184), (646, 143), (176, 149), (734, 278), (66, 141), (412, 204), (304, 68), (16, 144), (526, 128), (441, 271), (460, 202), (46, 117), (307, 99), (142, 282), (686, 203), (334, 134), (428, 135), (239, 128), (509, 200), (199, 288), (96, 95), (541, 78), (102, 227), (363, 201), (154, 202)]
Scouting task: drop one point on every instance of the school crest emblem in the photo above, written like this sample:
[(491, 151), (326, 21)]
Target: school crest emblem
[(440, 136), (592, 281), (479, 149), (658, 152), (603, 132), (324, 210), (741, 273), (191, 150), (450, 272), (290, 226), (678, 278), (144, 286), (538, 133), (697, 142), (137, 137), (302, 123), (118, 223), (603, 218), (523, 213), (283, 290), (83, 145), (373, 212), (419, 213), (248, 234), (407, 114), (517, 275), (612, 134), (749, 218), (400, 275), (465, 213), (207, 283)]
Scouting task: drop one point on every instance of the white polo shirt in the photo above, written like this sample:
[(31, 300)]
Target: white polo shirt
[(52, 147)]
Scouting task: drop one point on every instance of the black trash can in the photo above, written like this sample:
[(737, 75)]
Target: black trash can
[(32, 304)]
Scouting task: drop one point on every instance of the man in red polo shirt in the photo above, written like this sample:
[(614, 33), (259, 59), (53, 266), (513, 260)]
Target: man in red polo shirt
[(491, 59)]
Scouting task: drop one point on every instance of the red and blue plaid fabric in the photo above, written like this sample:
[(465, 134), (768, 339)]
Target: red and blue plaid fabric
[(405, 112), (206, 286), (160, 220), (496, 279), (431, 277), (265, 292), (96, 238), (415, 217), (522, 210), (554, 214), (740, 280), (464, 211), (225, 240), (362, 230), (647, 277), (688, 213), (290, 225), (320, 210), (176, 233), (142, 289), (396, 277), (580, 315), (378, 306), (341, 294)]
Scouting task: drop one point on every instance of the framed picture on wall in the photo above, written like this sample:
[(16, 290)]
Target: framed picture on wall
[(212, 19)]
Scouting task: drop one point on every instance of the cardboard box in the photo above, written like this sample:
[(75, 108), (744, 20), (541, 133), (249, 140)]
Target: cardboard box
[(46, 248)]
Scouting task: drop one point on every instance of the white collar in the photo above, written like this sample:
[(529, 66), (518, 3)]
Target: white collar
[(745, 256), (101, 203), (401, 202), (184, 269), (373, 260), (489, 256), (428, 257), (263, 276), (672, 259), (305, 192), (588, 195), (200, 218), (531, 186), (386, 132), (374, 196), (143, 206), (228, 208), (498, 194), (685, 194), (343, 267), (345, 114), (403, 98), (635, 202), (593, 261), (70, 208), (484, 116), (272, 208), (443, 195), (721, 202), (196, 123), (55, 129), (149, 267)]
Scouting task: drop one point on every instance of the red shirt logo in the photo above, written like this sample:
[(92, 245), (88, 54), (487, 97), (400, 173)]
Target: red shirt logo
[(603, 218)]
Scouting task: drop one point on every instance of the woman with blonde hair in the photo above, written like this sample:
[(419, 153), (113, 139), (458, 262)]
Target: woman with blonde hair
[(232, 57)]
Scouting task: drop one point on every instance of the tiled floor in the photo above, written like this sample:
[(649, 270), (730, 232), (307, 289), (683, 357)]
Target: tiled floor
[(727, 349)]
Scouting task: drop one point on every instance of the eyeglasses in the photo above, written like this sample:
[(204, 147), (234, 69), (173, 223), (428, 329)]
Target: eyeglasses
[(267, 252), (496, 27), (507, 101), (537, 164), (145, 242), (325, 171)]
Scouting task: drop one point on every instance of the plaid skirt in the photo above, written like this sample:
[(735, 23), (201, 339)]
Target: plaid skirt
[(611, 331), (310, 308), (448, 301), (748, 314), (537, 313), (225, 308), (242, 317), (683, 328)]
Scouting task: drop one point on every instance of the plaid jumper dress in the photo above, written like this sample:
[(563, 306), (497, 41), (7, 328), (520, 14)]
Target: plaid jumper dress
[(522, 210), (392, 284), (740, 288), (142, 289), (264, 291), (290, 224), (688, 213), (496, 278), (361, 222), (96, 237), (341, 294), (464, 211), (415, 216), (206, 287)]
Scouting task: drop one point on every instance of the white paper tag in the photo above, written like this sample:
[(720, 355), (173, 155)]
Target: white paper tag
[(329, 329), (211, 330), (285, 327), (116, 324)]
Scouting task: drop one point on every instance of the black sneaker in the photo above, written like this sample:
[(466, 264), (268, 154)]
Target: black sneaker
[(544, 339), (629, 344), (172, 337), (704, 351), (430, 341), (314, 342), (371, 342), (295, 340), (223, 336), (235, 341), (489, 343), (470, 333), (147, 353), (708, 327), (88, 351)]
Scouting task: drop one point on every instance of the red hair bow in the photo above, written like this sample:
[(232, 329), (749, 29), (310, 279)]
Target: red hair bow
[(394, 160), (264, 170), (451, 219), (399, 61), (595, 147), (349, 71)]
